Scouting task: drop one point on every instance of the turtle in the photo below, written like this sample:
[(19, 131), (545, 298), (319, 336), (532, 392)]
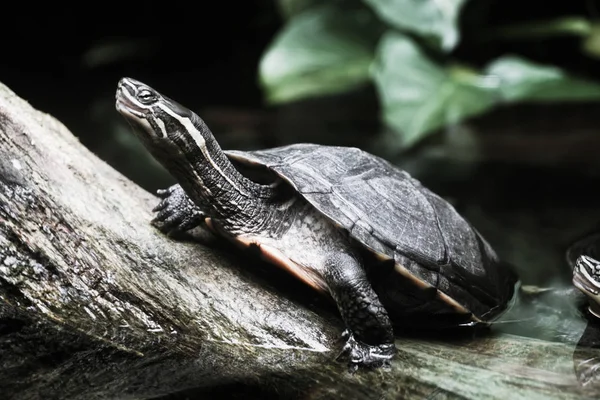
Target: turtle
[(387, 250), (583, 257), (586, 278)]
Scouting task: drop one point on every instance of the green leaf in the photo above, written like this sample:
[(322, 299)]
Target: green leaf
[(591, 43), (588, 30), (565, 26), (324, 50), (419, 96), (428, 18), (522, 80)]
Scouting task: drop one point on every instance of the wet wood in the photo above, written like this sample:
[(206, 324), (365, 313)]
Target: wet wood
[(95, 303)]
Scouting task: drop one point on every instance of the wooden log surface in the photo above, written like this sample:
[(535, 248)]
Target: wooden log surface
[(95, 303)]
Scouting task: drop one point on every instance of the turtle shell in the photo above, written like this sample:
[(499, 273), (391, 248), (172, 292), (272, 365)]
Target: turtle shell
[(396, 217)]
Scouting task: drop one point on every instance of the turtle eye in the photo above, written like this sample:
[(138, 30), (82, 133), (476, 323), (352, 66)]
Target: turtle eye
[(146, 96)]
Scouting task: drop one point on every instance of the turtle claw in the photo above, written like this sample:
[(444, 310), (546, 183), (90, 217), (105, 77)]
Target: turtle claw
[(365, 355), (176, 213), (166, 192)]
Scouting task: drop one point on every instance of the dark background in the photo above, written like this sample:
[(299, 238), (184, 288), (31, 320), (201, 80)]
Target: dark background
[(66, 60), (535, 165), (532, 189)]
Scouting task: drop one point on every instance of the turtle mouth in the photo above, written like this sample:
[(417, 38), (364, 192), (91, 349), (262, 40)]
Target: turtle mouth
[(125, 105)]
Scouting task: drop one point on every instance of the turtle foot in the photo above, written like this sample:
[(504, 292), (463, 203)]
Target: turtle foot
[(362, 355), (176, 213)]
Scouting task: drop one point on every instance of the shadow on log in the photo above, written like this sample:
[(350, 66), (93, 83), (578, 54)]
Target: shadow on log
[(96, 303)]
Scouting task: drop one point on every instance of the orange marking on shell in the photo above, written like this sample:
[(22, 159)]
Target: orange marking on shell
[(274, 256), (416, 281), (443, 296), (381, 256), (449, 300), (210, 225)]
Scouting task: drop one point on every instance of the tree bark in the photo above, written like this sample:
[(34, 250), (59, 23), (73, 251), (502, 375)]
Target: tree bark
[(96, 303)]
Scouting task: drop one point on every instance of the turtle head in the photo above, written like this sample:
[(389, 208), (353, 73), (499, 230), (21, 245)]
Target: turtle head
[(586, 277), (183, 144), (159, 121)]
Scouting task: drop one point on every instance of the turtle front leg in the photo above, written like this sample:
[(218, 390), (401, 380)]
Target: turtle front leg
[(176, 213), (369, 329)]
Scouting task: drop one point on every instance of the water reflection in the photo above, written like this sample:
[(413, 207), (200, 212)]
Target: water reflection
[(586, 357)]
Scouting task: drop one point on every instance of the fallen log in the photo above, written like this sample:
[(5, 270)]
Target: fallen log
[(96, 303)]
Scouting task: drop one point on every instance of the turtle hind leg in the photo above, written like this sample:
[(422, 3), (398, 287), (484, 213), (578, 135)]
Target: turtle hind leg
[(370, 336), (176, 212)]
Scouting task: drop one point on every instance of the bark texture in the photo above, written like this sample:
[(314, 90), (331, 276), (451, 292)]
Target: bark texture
[(95, 303)]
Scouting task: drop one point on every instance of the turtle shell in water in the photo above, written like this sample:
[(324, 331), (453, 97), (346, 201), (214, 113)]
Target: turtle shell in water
[(391, 214)]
